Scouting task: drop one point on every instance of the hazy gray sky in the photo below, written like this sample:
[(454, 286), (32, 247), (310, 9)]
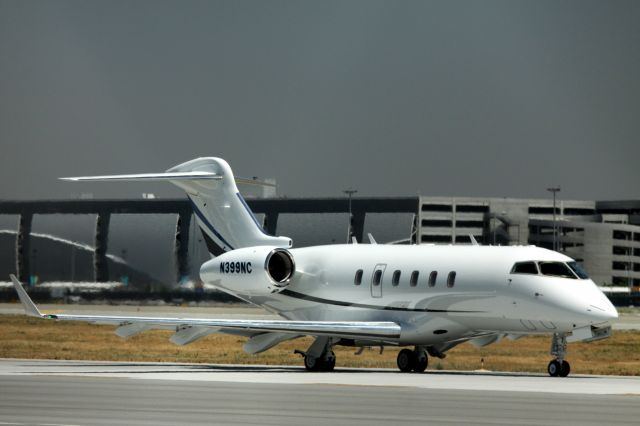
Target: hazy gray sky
[(491, 98)]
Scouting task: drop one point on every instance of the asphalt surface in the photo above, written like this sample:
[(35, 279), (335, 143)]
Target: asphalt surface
[(92, 393)]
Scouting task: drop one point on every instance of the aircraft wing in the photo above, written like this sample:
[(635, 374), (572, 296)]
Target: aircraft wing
[(190, 329)]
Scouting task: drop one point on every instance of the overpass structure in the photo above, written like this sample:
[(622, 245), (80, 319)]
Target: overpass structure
[(603, 235), (104, 209)]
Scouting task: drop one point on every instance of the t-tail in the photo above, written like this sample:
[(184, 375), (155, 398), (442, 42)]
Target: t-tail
[(226, 221)]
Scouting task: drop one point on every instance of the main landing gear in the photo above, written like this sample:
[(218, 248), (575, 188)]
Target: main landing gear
[(326, 362), (413, 360), (559, 366), (319, 356)]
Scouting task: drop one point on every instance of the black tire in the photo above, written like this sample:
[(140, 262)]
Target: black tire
[(406, 360), (420, 363), (565, 369), (312, 363), (329, 363), (554, 368)]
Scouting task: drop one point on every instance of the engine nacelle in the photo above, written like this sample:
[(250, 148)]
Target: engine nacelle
[(280, 266), (251, 271)]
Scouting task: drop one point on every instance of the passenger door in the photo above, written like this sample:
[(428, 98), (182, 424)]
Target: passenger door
[(376, 280)]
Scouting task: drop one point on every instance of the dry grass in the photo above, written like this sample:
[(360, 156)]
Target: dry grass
[(24, 337)]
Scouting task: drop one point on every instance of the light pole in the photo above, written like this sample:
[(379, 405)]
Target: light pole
[(350, 193), (554, 190), (73, 263)]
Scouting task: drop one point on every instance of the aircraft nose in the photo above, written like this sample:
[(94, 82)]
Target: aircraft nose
[(602, 309)]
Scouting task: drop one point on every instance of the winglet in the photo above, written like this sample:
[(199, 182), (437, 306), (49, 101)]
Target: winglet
[(29, 307)]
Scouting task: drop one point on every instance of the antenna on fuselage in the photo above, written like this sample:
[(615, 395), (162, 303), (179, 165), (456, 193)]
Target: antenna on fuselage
[(473, 240)]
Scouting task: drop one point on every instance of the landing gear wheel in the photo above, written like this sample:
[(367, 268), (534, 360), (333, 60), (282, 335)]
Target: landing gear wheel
[(406, 360), (324, 363), (329, 362), (559, 367), (311, 363), (421, 362), (554, 368)]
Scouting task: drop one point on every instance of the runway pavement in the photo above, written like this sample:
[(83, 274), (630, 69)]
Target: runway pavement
[(101, 393)]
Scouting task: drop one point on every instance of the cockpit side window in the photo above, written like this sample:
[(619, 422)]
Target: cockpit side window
[(525, 268), (580, 272), (556, 269)]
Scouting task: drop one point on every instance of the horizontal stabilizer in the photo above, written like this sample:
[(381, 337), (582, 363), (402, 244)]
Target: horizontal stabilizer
[(247, 181), (223, 215), (196, 175), (166, 176)]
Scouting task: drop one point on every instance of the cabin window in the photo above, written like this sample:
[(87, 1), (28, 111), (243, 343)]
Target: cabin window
[(395, 279), (451, 279), (377, 277), (580, 272), (556, 269), (432, 278), (525, 268), (414, 278), (358, 279)]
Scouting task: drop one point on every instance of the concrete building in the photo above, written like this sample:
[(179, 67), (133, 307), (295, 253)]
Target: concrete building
[(603, 236)]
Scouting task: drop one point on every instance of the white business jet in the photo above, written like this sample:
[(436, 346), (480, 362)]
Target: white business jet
[(429, 297)]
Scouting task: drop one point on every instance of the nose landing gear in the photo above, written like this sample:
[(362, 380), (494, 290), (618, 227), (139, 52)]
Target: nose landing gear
[(413, 360), (559, 366)]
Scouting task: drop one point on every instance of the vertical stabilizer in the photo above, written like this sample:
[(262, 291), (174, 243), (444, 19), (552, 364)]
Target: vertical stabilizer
[(226, 221)]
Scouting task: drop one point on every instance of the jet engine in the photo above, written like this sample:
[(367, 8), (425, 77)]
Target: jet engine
[(249, 271), (280, 266)]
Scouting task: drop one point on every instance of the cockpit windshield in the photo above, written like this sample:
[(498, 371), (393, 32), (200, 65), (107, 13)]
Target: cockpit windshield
[(580, 272), (525, 268), (553, 269), (556, 269)]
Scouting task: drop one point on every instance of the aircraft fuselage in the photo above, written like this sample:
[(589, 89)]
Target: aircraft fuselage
[(440, 292)]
